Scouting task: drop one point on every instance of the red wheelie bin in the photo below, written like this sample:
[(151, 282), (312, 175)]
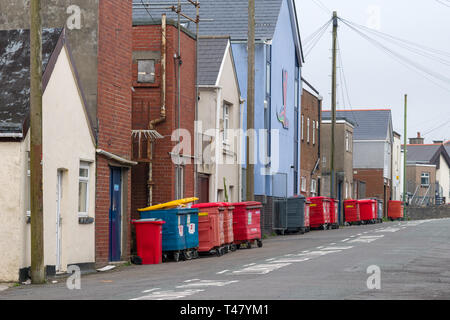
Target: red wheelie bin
[(149, 240), (334, 213), (395, 210), (210, 228), (228, 227), (247, 224), (307, 214), (319, 212), (368, 211), (351, 212)]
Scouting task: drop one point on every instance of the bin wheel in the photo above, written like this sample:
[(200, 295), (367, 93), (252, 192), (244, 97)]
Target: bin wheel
[(324, 227), (238, 246), (337, 226), (260, 243), (165, 258), (233, 247), (195, 254), (226, 249), (219, 252), (176, 256), (187, 255), (249, 245)]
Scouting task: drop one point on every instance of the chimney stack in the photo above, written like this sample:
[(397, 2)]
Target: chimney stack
[(418, 140)]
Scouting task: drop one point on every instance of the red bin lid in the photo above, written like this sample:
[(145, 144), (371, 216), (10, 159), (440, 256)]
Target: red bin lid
[(151, 221), (209, 205)]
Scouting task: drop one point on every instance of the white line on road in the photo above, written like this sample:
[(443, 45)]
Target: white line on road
[(207, 283), (168, 295), (151, 290), (222, 272), (261, 268)]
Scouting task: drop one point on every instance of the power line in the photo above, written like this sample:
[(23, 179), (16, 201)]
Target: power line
[(427, 52), (443, 3), (316, 39), (314, 34), (322, 6), (438, 127), (404, 60)]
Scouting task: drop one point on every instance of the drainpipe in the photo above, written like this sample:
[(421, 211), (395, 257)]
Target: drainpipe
[(162, 114)]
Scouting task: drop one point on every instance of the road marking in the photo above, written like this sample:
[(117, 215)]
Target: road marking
[(168, 295), (367, 239), (332, 244), (249, 265), (151, 290), (345, 240), (271, 259), (388, 229), (207, 283), (261, 268), (337, 248), (320, 247), (192, 280), (222, 272), (291, 260)]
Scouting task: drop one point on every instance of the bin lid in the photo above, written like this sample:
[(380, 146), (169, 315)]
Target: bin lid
[(209, 205), (367, 201), (169, 205), (153, 221), (312, 199), (248, 204)]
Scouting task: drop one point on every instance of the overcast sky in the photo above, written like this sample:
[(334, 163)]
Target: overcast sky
[(374, 79)]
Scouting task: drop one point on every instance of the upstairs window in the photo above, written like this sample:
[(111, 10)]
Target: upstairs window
[(146, 71), (425, 179)]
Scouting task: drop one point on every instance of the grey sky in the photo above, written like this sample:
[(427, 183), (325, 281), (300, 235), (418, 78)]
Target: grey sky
[(374, 79)]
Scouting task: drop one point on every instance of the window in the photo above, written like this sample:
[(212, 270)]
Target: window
[(303, 184), (303, 127), (348, 141), (313, 187), (307, 130), (28, 187), (179, 182), (146, 71), (314, 132), (83, 190), (425, 179), (226, 121)]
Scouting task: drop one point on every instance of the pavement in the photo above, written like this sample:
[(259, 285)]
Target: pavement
[(412, 259)]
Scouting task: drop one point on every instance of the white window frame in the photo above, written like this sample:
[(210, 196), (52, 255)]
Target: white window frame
[(314, 132), (303, 127), (313, 187), (307, 132), (226, 122), (87, 166), (303, 184), (427, 176)]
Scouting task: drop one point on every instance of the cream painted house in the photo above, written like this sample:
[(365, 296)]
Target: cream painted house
[(69, 150), (218, 133)]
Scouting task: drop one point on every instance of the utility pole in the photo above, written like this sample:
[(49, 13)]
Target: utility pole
[(250, 179), (333, 107), (405, 151), (37, 212)]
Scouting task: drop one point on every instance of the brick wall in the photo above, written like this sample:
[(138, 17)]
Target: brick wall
[(146, 106), (113, 113), (309, 151)]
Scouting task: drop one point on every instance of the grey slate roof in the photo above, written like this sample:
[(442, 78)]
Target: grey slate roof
[(15, 75), (230, 17), (422, 153), (369, 124), (211, 52)]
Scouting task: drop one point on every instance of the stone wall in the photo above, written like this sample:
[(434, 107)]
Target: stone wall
[(431, 212)]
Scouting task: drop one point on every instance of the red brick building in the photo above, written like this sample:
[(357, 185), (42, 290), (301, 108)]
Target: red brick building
[(113, 196), (310, 166), (151, 110)]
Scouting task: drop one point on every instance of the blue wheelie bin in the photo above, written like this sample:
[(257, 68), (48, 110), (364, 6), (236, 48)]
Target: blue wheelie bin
[(180, 232)]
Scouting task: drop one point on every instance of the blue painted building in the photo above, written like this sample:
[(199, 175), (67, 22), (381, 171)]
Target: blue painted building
[(279, 59)]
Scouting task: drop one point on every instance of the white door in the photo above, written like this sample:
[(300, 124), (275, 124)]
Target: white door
[(58, 220)]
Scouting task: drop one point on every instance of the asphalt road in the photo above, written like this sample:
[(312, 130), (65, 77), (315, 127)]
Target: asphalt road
[(413, 259)]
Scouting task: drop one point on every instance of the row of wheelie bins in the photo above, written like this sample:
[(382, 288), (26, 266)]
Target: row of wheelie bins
[(299, 214), (206, 228), (371, 211)]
